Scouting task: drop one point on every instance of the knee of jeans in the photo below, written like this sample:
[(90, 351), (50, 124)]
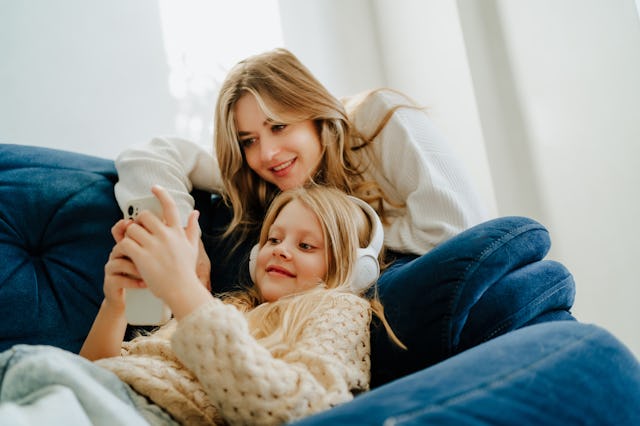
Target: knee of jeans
[(546, 283), (559, 283), (513, 242), (539, 292)]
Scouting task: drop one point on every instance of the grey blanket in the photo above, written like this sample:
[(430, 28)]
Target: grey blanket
[(44, 385)]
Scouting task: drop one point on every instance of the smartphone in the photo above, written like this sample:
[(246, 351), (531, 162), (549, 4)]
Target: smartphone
[(142, 307), (150, 203)]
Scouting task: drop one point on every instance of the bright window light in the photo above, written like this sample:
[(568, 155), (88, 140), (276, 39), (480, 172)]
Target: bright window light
[(203, 39)]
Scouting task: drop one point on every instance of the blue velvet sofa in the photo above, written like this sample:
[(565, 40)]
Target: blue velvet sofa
[(56, 210)]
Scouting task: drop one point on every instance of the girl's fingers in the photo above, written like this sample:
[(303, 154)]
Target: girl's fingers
[(116, 251), (122, 267), (193, 227), (169, 208), (124, 281), (129, 247), (118, 230), (137, 232)]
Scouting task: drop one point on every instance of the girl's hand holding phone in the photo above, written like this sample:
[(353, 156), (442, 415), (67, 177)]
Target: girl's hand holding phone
[(165, 254)]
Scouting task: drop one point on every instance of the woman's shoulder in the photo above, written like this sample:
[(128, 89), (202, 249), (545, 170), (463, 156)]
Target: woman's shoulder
[(366, 109), (374, 100)]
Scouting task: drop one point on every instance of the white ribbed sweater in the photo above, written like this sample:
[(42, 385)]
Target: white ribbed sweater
[(213, 371), (416, 167)]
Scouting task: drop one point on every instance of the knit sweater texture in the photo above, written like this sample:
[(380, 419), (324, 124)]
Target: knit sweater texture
[(211, 370), (412, 162)]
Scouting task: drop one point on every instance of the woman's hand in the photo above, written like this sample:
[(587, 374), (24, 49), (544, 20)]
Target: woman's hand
[(165, 255)]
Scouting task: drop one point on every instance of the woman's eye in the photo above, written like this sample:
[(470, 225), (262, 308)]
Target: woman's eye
[(278, 127), (246, 143)]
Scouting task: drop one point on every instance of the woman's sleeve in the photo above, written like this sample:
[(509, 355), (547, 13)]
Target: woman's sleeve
[(416, 166), (251, 386), (176, 164)]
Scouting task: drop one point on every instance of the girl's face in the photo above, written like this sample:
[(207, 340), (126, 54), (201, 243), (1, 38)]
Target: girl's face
[(286, 155), (293, 258)]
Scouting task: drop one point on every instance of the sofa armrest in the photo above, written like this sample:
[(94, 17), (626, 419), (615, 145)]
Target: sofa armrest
[(56, 211)]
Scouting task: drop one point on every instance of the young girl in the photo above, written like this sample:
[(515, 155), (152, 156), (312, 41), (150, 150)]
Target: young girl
[(295, 343), (276, 128)]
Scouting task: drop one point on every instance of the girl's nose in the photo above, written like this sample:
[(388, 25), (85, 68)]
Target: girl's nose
[(281, 251)]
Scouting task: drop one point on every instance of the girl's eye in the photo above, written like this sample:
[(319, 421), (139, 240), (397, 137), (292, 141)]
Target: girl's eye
[(246, 143), (272, 240), (278, 127), (305, 246)]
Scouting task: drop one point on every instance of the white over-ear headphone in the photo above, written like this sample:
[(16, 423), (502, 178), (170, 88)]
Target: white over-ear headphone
[(367, 268)]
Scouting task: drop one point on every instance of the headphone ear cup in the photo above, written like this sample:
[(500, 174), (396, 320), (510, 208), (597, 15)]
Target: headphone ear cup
[(367, 270), (253, 257)]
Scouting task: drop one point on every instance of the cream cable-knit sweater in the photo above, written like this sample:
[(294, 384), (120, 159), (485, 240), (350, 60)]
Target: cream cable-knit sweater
[(416, 167), (212, 370)]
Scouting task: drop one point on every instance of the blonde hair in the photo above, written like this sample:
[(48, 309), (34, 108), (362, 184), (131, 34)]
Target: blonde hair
[(345, 228), (287, 92)]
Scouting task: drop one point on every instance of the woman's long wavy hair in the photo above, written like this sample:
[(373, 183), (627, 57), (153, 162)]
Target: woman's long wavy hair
[(287, 92), (345, 228)]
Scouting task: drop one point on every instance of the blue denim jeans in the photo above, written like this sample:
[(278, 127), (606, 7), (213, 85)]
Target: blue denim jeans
[(482, 283), (556, 373)]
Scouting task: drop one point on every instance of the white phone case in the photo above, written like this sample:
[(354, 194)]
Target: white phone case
[(150, 203), (142, 307)]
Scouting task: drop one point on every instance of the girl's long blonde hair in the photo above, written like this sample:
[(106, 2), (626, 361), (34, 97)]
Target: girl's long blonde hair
[(345, 228), (287, 92)]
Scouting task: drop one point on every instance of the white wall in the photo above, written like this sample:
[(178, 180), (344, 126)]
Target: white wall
[(337, 40), (76, 76), (557, 86), (576, 65), (95, 77)]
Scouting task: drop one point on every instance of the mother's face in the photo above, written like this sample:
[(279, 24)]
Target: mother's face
[(286, 155)]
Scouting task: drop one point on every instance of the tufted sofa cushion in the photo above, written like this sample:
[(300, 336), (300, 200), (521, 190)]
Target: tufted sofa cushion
[(56, 211)]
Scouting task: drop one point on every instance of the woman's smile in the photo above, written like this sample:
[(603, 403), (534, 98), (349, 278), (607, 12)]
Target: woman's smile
[(283, 168)]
